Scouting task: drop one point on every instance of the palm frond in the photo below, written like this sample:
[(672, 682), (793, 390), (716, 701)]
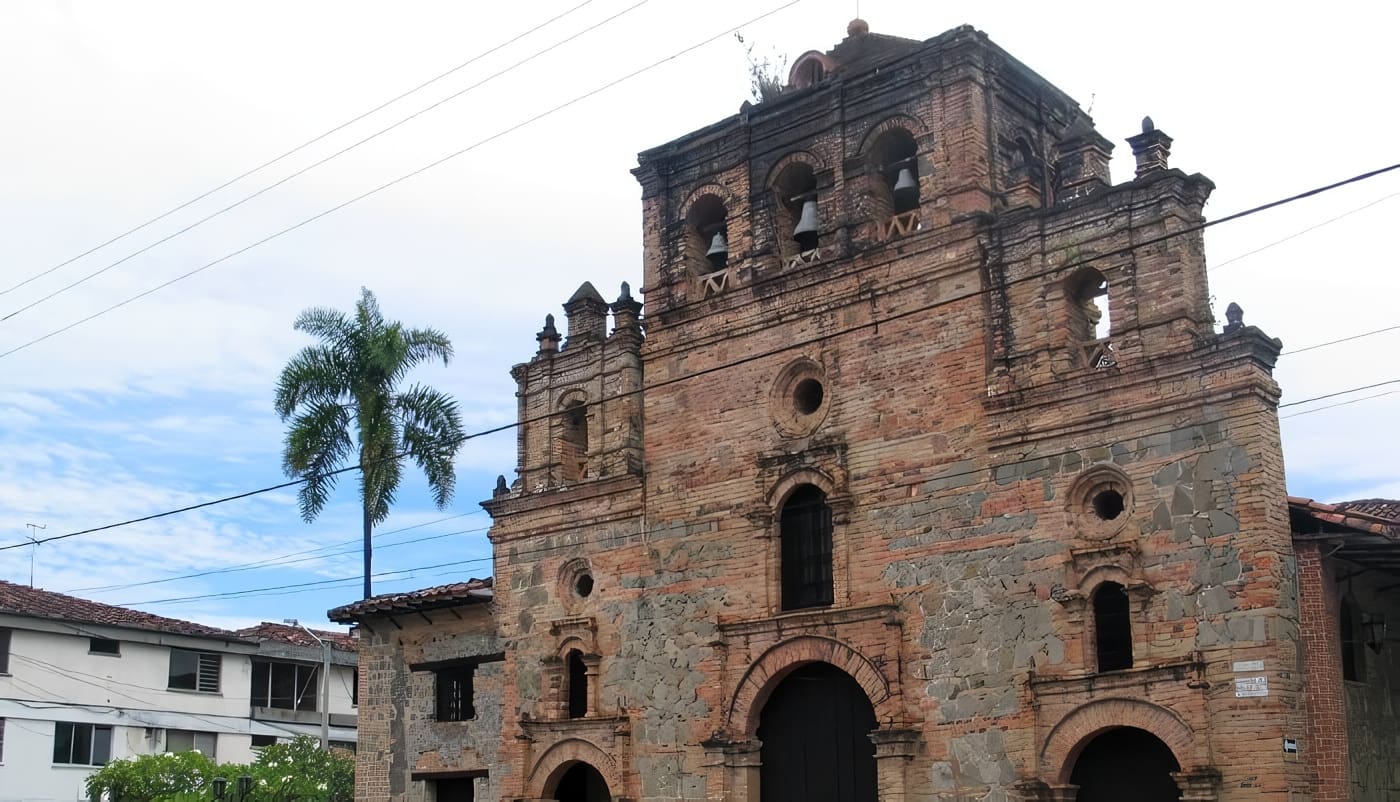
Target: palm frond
[(318, 442), (421, 345), (327, 325), (316, 373), (432, 435)]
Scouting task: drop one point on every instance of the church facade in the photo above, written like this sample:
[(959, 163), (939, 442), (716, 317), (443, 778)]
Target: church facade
[(927, 476)]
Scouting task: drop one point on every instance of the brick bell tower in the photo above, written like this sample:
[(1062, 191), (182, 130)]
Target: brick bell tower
[(936, 421)]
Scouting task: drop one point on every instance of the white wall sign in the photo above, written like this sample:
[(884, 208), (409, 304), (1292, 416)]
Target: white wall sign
[(1251, 686), (1249, 665)]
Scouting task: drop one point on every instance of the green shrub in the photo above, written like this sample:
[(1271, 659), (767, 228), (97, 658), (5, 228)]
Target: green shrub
[(292, 772)]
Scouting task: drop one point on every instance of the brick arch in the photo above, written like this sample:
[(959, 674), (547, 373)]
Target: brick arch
[(1076, 730), (718, 190), (783, 488), (562, 756), (813, 160), (913, 125), (775, 664)]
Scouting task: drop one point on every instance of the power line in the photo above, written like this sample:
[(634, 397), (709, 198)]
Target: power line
[(1341, 340), (284, 559), (520, 554), (1304, 231), (281, 563), (302, 146), (400, 179), (1341, 404), (792, 345), (1339, 392), (316, 164)]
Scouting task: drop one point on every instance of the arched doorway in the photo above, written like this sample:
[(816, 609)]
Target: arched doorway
[(1126, 763), (581, 783), (815, 729)]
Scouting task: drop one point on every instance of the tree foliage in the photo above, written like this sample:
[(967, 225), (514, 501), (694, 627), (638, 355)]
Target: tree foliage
[(343, 399), (298, 771)]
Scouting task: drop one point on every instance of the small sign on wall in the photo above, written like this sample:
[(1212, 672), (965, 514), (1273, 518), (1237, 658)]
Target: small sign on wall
[(1248, 665), (1290, 746), (1251, 686)]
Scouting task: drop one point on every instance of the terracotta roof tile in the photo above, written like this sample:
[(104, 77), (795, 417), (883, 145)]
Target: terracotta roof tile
[(1388, 508), (473, 591), (39, 603), (296, 636)]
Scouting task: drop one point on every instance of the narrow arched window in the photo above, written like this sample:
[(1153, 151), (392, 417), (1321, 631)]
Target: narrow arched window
[(1113, 632), (578, 685), (1353, 656), (894, 158), (573, 442), (707, 234), (799, 216), (806, 549)]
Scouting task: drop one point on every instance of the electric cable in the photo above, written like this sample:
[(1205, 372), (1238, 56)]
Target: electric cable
[(1300, 233), (1341, 340), (316, 164), (1341, 404), (302, 146), (380, 188), (762, 355)]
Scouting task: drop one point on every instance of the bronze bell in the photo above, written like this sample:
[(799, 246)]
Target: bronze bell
[(806, 231), (718, 254), (906, 191)]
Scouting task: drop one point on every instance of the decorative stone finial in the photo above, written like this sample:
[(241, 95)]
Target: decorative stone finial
[(626, 311), (1151, 148), (502, 489), (548, 337), (587, 314), (626, 292), (1234, 318), (857, 27)]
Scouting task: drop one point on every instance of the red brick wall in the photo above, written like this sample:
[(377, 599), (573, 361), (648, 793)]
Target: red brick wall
[(1325, 750)]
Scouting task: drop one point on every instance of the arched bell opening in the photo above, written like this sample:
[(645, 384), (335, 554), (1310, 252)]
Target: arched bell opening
[(798, 218), (707, 234), (893, 158), (573, 440), (1125, 763), (579, 782), (1089, 307), (815, 731)]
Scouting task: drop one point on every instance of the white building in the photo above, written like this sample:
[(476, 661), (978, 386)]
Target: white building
[(82, 683)]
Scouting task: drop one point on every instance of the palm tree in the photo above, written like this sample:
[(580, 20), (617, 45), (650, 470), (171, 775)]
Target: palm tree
[(348, 382)]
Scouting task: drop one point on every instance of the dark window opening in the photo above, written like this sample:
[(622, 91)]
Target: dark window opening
[(584, 586), (355, 688), (2, 740), (104, 646), (458, 789), (806, 550), (573, 442), (288, 686), (1112, 628), (807, 396), (81, 744), (1108, 504), (578, 685), (189, 741), (194, 671), (259, 741), (582, 783), (1353, 651), (455, 694), (4, 650)]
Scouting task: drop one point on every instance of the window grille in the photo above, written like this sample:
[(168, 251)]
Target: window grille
[(806, 550), (81, 744), (194, 671), (454, 693)]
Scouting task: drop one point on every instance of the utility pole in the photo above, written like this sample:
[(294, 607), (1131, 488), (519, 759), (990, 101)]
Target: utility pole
[(325, 688), (33, 548)]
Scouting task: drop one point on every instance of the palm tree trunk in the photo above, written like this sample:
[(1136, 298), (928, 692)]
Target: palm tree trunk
[(369, 527)]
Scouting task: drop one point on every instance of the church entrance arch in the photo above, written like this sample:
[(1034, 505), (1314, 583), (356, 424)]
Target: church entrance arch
[(1126, 763), (815, 730), (580, 782)]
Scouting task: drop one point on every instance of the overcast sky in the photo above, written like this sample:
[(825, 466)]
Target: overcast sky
[(116, 112)]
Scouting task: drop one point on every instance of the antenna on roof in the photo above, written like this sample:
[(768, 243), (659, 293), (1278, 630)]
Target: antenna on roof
[(33, 547)]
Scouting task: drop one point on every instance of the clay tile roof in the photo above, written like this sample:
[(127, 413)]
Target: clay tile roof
[(38, 603), (296, 636), (473, 591), (1350, 533), (1340, 515), (1388, 508)]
